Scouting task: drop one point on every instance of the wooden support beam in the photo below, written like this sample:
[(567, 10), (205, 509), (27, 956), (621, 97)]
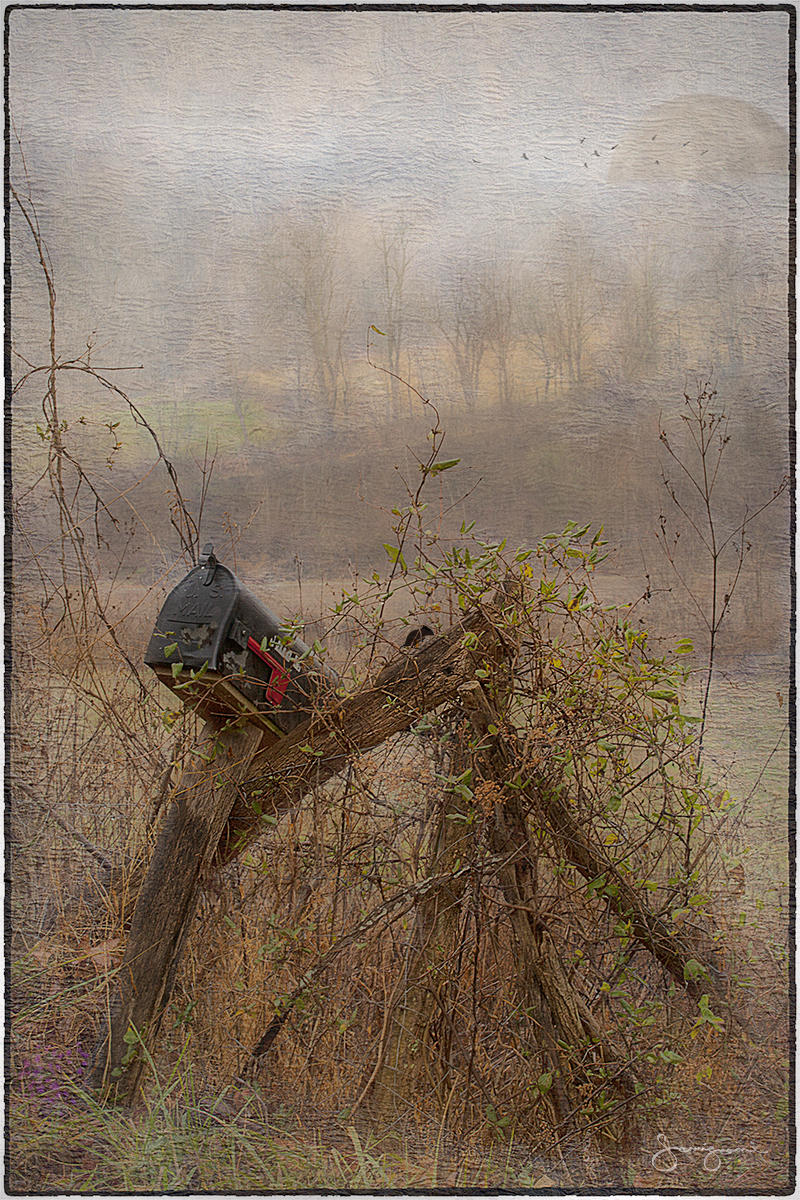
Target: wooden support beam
[(200, 805), (674, 948), (412, 684)]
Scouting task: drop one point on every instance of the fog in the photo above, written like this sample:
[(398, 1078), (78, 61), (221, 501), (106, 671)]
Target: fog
[(555, 222)]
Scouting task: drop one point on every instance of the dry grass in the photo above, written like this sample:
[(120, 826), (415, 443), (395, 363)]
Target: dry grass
[(291, 1127)]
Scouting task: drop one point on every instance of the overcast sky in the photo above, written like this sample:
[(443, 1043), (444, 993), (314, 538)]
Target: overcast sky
[(162, 144), (269, 107)]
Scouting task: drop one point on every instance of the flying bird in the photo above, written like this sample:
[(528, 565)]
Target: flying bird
[(524, 155), (597, 153)]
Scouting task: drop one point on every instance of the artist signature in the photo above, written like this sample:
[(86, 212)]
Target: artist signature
[(665, 1158)]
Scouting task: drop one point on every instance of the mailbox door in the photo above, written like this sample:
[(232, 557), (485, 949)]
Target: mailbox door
[(281, 675), (267, 672), (194, 619), (260, 671)]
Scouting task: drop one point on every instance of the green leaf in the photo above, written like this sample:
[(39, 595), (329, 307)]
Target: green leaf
[(545, 1082), (168, 650), (706, 1016), (375, 329), (177, 667), (394, 554), (443, 466)]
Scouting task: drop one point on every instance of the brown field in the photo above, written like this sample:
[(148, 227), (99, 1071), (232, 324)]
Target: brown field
[(88, 755)]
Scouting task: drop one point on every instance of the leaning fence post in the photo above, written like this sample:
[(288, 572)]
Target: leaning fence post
[(199, 806)]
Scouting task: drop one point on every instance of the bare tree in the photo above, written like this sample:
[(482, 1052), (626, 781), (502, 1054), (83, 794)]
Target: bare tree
[(574, 298), (317, 285), (395, 261), (542, 333), (499, 296), (561, 313), (729, 269), (461, 317), (642, 315)]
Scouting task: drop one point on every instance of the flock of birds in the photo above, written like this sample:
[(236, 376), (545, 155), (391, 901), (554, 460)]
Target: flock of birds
[(595, 153)]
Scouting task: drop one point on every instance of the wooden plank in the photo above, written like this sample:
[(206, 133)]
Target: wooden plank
[(199, 807), (412, 684), (217, 698)]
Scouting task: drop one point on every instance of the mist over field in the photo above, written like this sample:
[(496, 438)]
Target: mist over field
[(557, 221)]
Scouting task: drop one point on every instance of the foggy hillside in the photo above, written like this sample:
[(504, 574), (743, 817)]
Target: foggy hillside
[(551, 248)]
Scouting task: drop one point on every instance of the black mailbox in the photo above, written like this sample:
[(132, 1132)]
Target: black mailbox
[(217, 645)]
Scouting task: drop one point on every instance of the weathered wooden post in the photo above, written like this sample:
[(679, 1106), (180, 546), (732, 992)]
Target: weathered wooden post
[(198, 809), (216, 646)]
